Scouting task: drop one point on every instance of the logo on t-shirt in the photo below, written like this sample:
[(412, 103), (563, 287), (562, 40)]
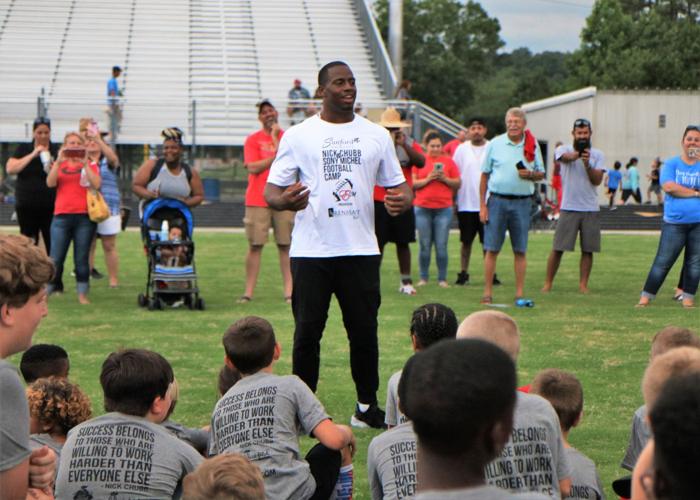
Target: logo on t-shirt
[(339, 156), (343, 192)]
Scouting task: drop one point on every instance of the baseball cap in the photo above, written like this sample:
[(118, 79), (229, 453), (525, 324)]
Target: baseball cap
[(264, 102)]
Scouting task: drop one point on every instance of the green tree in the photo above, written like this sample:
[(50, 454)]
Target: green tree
[(638, 44), (448, 46)]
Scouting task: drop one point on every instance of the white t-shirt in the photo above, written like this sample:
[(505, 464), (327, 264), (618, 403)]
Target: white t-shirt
[(340, 163), (468, 159)]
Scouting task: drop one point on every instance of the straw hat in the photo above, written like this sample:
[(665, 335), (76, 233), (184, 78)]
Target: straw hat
[(391, 118)]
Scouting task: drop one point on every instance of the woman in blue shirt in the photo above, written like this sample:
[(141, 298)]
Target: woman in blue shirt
[(680, 180)]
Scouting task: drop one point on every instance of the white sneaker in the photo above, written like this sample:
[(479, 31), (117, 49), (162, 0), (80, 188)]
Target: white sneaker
[(407, 289)]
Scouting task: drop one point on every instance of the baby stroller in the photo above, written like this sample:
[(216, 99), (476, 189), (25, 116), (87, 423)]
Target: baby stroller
[(172, 276)]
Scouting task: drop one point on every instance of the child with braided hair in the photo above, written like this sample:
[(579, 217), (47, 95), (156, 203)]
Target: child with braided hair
[(391, 456), (55, 407), (430, 323)]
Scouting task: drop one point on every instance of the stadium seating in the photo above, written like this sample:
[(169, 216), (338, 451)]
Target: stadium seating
[(223, 54)]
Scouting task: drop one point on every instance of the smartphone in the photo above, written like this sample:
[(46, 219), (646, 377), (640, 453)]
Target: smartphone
[(93, 130), (438, 167), (520, 166), (74, 152)]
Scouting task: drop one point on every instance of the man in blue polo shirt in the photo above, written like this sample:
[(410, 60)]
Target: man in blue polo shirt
[(512, 165)]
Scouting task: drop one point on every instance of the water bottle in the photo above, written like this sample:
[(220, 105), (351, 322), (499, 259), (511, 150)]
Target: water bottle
[(164, 230)]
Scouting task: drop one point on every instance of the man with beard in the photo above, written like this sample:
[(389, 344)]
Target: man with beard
[(326, 169), (258, 154)]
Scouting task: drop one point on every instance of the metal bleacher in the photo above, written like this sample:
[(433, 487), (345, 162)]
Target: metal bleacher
[(198, 64)]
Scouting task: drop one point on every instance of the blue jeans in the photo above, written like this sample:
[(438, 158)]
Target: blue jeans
[(433, 225), (673, 238), (81, 230)]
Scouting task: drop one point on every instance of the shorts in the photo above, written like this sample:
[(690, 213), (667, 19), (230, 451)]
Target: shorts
[(612, 190), (570, 224), (400, 229), (258, 220), (469, 226), (507, 214), (655, 188), (110, 227)]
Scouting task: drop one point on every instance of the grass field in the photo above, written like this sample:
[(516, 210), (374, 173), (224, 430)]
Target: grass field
[(600, 337)]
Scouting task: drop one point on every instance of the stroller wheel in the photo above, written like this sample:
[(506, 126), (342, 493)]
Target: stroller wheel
[(199, 304), (142, 300), (158, 304)]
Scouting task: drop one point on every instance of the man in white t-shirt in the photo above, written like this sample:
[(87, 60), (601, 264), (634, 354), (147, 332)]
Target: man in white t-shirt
[(582, 170), (468, 156), (325, 170)]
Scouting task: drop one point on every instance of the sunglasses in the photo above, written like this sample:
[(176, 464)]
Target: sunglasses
[(42, 120), (582, 122)]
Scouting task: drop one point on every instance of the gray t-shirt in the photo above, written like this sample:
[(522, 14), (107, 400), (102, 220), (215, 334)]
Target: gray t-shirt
[(197, 438), (477, 493), (14, 419), (533, 459), (262, 417), (39, 440), (393, 415), (638, 438), (585, 482), (170, 186), (579, 194), (120, 456), (391, 464)]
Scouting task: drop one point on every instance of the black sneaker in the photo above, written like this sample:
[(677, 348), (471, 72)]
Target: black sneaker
[(496, 281), (462, 278), (95, 274), (373, 417)]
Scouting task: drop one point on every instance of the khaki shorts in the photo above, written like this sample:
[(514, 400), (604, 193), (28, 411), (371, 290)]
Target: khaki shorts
[(257, 221), (568, 227)]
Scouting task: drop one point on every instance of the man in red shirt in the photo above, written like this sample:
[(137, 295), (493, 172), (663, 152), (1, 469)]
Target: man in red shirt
[(400, 229), (259, 152), (452, 145)]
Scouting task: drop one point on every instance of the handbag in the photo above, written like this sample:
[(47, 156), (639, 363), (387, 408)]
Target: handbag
[(98, 210)]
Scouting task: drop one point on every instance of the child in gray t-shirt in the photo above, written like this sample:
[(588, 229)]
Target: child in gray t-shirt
[(391, 463), (563, 390), (263, 415), (430, 323), (126, 453)]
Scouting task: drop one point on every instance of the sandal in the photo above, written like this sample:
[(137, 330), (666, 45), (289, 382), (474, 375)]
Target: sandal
[(521, 302), (486, 300), (244, 299)]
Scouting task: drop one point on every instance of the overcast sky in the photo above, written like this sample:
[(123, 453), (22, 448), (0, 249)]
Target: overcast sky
[(540, 24)]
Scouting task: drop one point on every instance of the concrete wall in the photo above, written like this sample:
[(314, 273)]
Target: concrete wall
[(625, 124)]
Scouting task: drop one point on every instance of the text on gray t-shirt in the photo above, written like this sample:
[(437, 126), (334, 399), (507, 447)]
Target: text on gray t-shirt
[(391, 464)]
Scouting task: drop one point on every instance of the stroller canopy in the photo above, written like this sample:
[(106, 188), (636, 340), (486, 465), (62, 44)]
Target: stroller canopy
[(151, 208)]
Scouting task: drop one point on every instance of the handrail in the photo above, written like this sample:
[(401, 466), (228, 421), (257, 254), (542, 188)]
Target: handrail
[(385, 70)]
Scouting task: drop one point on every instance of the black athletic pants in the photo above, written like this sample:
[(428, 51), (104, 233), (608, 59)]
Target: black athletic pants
[(35, 220), (355, 283), (325, 468)]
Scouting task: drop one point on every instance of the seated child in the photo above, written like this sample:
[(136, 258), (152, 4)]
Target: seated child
[(391, 457), (197, 438), (44, 360), (55, 407), (564, 391), (536, 432), (23, 303), (665, 339), (224, 477), (174, 255), (675, 419), (263, 414), (459, 395), (679, 362), (125, 453), (430, 323)]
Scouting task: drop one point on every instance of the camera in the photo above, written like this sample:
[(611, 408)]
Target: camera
[(580, 145)]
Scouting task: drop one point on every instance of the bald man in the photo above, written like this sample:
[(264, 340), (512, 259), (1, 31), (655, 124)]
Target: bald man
[(536, 432)]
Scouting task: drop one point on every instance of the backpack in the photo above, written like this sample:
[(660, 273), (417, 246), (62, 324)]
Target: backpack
[(159, 164)]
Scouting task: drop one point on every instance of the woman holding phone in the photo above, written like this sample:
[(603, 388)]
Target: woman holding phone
[(680, 180), (72, 174), (34, 199), (435, 185)]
